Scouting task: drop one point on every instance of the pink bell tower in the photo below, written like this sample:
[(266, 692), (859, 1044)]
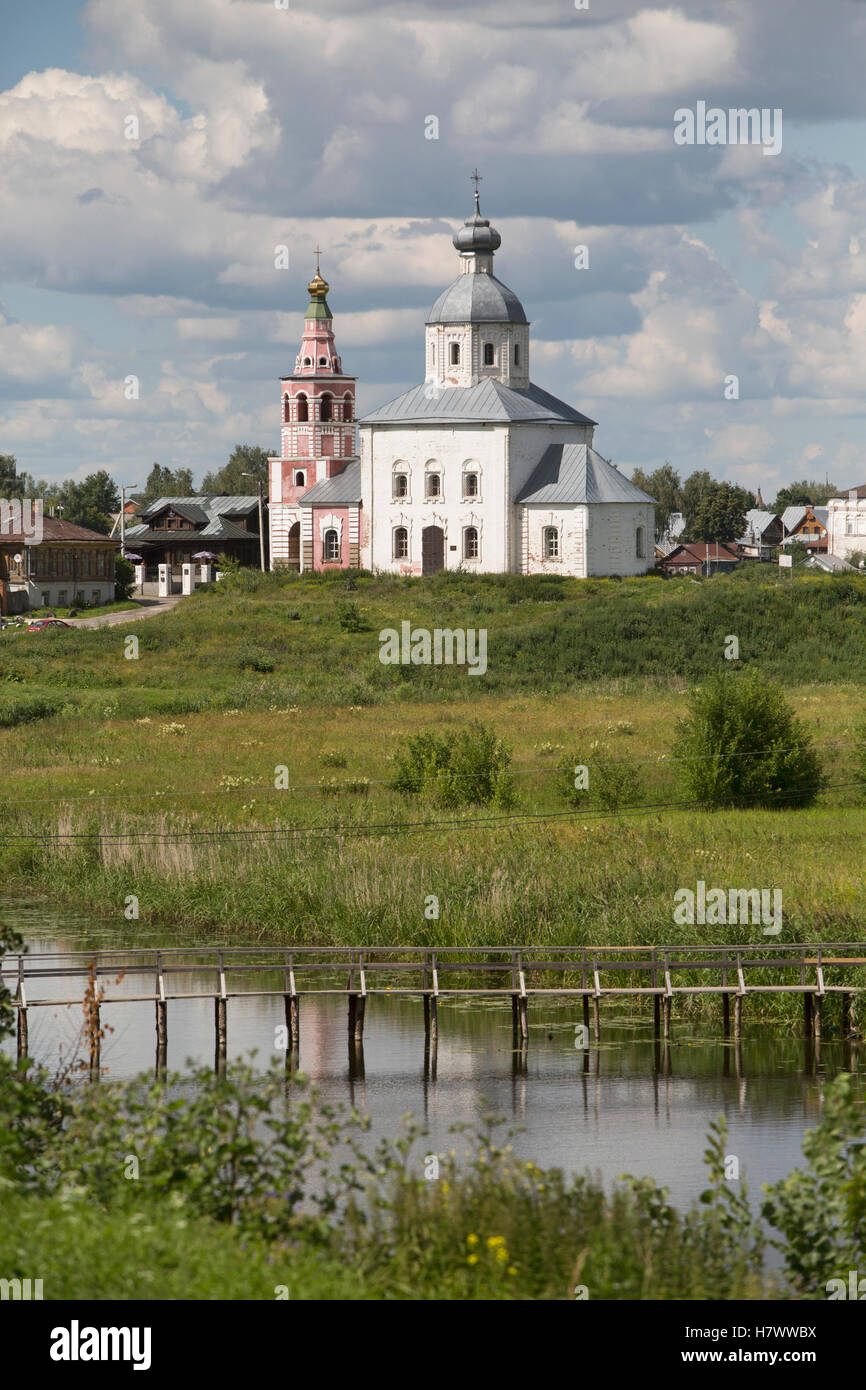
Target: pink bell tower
[(317, 411)]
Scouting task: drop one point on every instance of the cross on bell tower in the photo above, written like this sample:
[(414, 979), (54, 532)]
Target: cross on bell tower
[(475, 178)]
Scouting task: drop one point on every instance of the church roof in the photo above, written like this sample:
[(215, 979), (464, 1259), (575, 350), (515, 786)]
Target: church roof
[(478, 298), (575, 473), (489, 402), (341, 490)]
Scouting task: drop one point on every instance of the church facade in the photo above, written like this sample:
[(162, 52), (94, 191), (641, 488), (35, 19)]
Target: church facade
[(476, 468)]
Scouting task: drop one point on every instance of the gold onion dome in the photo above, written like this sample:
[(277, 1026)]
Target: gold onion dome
[(318, 287)]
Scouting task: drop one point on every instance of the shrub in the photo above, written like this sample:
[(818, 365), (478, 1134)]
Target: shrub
[(611, 784), (255, 659), (350, 618), (469, 768), (124, 578), (742, 745), (26, 711)]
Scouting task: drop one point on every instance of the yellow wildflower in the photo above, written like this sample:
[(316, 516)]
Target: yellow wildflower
[(471, 1240), (493, 1241), (511, 1269), (502, 1255), (472, 1260)]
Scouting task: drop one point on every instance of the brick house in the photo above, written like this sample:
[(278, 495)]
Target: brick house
[(70, 565)]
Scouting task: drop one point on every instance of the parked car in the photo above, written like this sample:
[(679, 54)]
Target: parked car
[(42, 623)]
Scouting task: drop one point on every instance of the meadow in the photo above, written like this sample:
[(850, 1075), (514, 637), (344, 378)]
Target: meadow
[(157, 776)]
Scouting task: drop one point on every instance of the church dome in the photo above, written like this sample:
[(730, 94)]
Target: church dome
[(477, 299), (476, 234)]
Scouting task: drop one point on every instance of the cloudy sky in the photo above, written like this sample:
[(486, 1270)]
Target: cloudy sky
[(260, 126)]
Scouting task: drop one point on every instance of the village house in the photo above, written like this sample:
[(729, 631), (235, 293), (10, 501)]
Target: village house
[(701, 557), (764, 531), (173, 530), (808, 525), (71, 565)]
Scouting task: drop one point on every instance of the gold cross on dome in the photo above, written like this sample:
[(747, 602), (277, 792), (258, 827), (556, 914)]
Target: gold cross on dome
[(318, 254)]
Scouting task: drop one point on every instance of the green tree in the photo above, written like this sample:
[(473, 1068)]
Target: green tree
[(14, 484), (167, 482), (124, 577), (804, 494), (742, 745), (229, 480), (664, 485), (719, 513)]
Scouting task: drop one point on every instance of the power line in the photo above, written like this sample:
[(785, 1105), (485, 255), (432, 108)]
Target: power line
[(349, 782), (397, 827)]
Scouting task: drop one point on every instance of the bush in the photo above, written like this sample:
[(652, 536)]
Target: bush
[(469, 768), (124, 578), (610, 783), (255, 659), (26, 711), (350, 618), (742, 745)]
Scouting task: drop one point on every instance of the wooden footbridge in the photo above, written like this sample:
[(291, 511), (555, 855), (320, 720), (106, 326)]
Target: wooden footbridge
[(106, 980)]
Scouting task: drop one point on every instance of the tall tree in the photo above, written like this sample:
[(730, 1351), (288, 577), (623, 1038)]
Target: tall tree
[(88, 503), (804, 494), (720, 514), (664, 485), (14, 484), (229, 480), (167, 482)]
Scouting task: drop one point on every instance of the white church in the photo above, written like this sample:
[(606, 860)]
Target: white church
[(477, 468)]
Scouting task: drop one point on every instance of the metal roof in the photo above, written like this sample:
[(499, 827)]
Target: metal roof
[(208, 504), (575, 473), (489, 402), (830, 563), (340, 491), (792, 516), (477, 298)]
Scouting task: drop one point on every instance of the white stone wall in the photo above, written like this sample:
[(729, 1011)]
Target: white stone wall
[(471, 339), (846, 525), (571, 523), (417, 450), (281, 517), (611, 545)]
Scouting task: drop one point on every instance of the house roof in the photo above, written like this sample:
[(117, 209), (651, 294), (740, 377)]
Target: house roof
[(203, 505), (343, 490), (575, 473), (845, 493), (757, 522), (56, 531), (219, 528), (832, 563), (695, 552), (488, 402), (792, 516)]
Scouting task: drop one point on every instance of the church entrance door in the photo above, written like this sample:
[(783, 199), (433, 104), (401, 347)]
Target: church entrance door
[(294, 547), (432, 550)]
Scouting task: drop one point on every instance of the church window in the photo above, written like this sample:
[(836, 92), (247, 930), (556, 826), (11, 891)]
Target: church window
[(400, 485), (639, 547), (470, 484), (303, 408), (300, 479), (433, 484), (323, 361), (347, 408), (401, 543), (849, 526), (517, 354), (331, 546), (489, 355), (455, 354), (470, 543), (551, 543), (326, 411), (287, 414)]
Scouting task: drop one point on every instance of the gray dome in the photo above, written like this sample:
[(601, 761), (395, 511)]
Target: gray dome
[(476, 234), (477, 299)]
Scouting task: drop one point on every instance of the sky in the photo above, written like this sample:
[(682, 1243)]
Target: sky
[(268, 123)]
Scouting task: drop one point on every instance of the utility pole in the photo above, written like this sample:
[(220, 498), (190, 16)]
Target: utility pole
[(123, 491), (261, 518)]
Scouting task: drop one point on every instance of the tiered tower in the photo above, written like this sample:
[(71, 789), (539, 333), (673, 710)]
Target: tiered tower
[(317, 411)]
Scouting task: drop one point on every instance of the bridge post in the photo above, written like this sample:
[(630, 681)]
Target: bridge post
[(817, 1011), (807, 1015), (161, 1036), (738, 1017), (21, 1031)]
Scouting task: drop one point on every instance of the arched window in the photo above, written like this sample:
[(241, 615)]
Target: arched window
[(287, 410), (455, 354), (401, 543), (323, 361), (470, 484), (400, 485), (331, 546), (308, 362), (433, 484), (326, 410), (347, 407), (551, 543), (300, 479), (470, 543), (517, 354), (639, 546), (489, 355), (303, 408)]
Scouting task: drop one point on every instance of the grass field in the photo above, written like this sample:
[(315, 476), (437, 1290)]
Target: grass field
[(156, 776)]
